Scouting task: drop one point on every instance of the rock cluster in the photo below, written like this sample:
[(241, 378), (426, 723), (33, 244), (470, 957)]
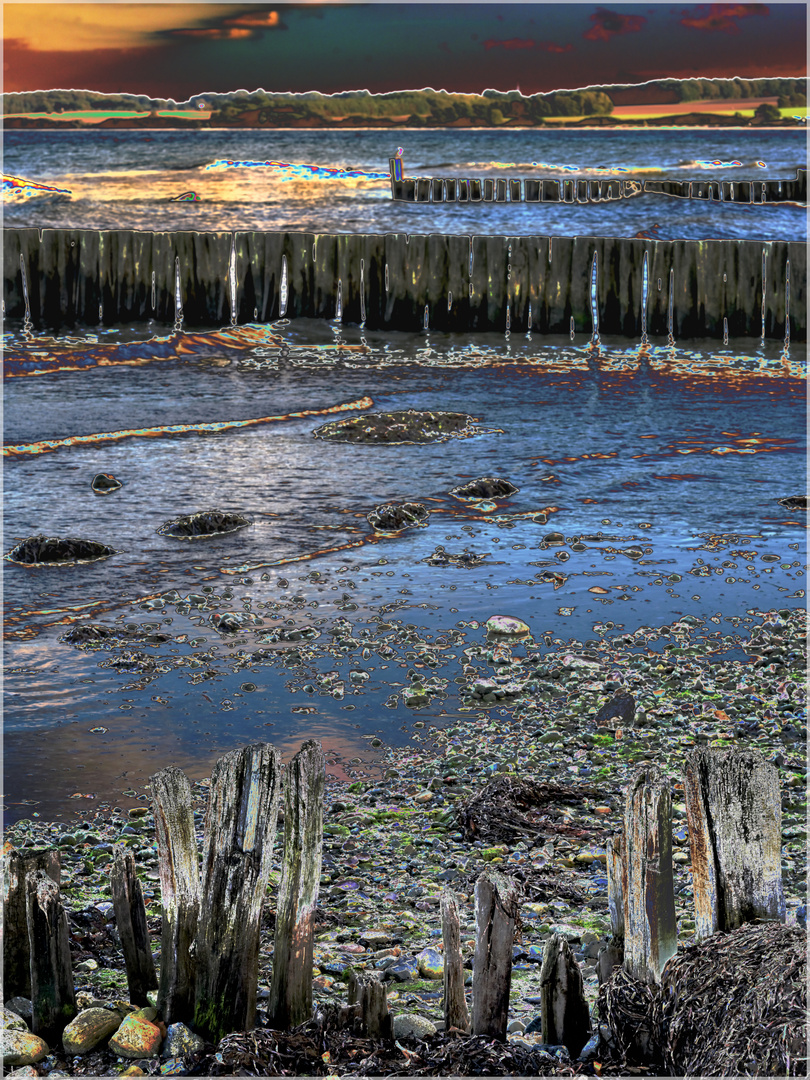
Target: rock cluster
[(393, 517), (402, 426)]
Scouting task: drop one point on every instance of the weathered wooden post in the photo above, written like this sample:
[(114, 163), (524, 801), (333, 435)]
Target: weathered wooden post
[(290, 1001), (52, 991), (734, 814), (180, 893), (237, 854), (650, 931), (564, 1015), (612, 955), (456, 1014), (496, 909), (130, 919), (370, 997), (16, 954)]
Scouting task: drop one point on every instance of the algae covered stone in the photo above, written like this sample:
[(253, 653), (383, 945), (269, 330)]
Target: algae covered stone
[(88, 1029), (22, 1047), (137, 1037), (430, 963), (411, 1024)]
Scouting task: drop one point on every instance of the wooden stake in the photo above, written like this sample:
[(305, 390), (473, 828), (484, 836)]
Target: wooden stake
[(734, 814), (370, 996), (130, 918), (650, 932), (237, 855), (178, 863), (290, 1001), (16, 954), (456, 1013), (496, 909), (52, 992), (564, 1013)]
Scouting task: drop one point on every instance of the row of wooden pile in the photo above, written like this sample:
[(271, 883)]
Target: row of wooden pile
[(212, 910)]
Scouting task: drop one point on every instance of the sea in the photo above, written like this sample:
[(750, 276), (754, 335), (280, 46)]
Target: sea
[(649, 474)]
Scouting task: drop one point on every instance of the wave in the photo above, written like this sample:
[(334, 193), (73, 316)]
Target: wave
[(17, 187), (290, 171)]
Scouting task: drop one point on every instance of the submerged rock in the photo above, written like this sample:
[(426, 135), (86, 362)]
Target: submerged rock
[(44, 550), (282, 635), (94, 635), (393, 517), (485, 487), (104, 483), (466, 559), (794, 502), (205, 523), (402, 426), (232, 622)]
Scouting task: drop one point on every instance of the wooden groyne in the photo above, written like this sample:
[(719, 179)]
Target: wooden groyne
[(438, 189), (548, 285)]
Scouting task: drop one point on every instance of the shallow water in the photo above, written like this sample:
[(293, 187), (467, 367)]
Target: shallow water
[(678, 456)]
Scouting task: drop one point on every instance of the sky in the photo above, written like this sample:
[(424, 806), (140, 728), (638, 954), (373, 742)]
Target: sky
[(179, 50)]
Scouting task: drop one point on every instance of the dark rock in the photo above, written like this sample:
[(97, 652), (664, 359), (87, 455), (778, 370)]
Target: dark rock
[(404, 426), (53, 550), (283, 634), (206, 523), (104, 483), (485, 487), (392, 517), (622, 706), (794, 502), (232, 622), (405, 970), (93, 635), (465, 559)]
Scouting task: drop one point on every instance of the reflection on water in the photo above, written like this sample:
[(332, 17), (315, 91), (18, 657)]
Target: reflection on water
[(648, 479)]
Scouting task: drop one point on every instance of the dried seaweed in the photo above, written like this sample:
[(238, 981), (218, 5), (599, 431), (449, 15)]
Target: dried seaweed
[(625, 1005), (736, 1004), (493, 813)]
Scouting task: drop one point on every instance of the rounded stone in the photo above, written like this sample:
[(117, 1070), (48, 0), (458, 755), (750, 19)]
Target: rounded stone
[(13, 1021), (411, 1024), (430, 963), (88, 1029), (22, 1047), (136, 1038), (504, 626), (105, 483)]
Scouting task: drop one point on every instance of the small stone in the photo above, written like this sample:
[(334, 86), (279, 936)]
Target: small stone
[(430, 964), (411, 1024), (29, 1070), (504, 626), (88, 1029), (375, 939), (22, 1007), (485, 487), (13, 1021), (179, 1041), (405, 970), (22, 1047), (104, 483), (136, 1038)]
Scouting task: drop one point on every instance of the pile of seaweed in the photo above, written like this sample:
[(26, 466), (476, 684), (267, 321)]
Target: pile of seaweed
[(401, 426), (733, 1004), (510, 808)]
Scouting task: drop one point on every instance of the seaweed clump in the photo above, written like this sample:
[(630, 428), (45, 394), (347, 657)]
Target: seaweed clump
[(43, 550), (393, 517), (402, 426), (206, 523)]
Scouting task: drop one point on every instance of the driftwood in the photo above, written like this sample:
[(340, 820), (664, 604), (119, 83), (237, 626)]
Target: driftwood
[(734, 813), (237, 854), (16, 955), (130, 919), (52, 992), (650, 931), (370, 997), (496, 910), (180, 892), (564, 1014), (290, 1001), (456, 1014)]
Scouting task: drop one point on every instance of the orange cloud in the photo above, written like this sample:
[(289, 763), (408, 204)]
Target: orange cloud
[(510, 43), (608, 24), (722, 16)]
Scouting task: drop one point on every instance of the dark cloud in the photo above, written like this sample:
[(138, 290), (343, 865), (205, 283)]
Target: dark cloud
[(510, 43), (722, 17), (250, 24), (552, 47), (608, 24)]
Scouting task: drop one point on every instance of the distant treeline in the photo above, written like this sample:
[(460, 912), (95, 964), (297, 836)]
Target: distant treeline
[(422, 107)]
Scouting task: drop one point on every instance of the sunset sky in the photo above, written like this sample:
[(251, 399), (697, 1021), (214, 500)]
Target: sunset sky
[(177, 50)]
